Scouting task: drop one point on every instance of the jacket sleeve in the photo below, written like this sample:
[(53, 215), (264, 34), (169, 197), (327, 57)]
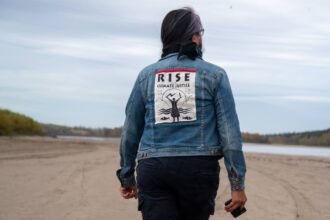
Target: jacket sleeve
[(131, 135), (229, 132)]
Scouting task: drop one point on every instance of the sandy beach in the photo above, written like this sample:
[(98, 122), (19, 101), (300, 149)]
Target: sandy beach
[(54, 179)]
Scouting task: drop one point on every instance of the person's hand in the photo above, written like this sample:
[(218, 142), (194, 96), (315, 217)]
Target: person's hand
[(238, 199), (128, 192)]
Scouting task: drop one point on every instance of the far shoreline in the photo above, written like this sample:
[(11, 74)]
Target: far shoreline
[(11, 142), (287, 145), (98, 138)]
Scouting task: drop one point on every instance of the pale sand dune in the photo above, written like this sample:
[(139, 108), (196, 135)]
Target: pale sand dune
[(50, 179)]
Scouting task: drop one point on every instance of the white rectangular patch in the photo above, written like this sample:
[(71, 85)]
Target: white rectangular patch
[(175, 96)]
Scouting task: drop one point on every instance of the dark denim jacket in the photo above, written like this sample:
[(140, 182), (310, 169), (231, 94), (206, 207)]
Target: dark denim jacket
[(182, 108)]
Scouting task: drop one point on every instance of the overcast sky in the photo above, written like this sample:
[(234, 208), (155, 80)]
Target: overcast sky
[(74, 62)]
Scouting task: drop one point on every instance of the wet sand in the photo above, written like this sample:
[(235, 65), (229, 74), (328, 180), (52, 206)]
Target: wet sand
[(48, 178)]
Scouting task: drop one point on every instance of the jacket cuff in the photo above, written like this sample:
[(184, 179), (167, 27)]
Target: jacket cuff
[(126, 181), (237, 184)]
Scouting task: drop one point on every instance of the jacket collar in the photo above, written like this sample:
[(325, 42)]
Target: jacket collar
[(169, 55)]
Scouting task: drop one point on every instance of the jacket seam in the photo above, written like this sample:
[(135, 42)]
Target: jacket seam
[(223, 113), (152, 110), (203, 109), (141, 92)]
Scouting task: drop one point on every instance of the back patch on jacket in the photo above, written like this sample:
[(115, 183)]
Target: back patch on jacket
[(175, 96)]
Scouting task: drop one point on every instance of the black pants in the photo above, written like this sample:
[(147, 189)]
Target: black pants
[(177, 188)]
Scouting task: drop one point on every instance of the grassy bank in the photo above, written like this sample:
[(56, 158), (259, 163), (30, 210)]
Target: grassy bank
[(12, 123)]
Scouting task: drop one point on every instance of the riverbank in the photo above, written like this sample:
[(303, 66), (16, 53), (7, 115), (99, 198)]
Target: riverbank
[(51, 178)]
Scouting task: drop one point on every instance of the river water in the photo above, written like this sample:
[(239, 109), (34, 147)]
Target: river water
[(287, 149), (248, 147)]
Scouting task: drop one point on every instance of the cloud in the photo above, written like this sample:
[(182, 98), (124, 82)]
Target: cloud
[(102, 49), (88, 53), (286, 98), (97, 48)]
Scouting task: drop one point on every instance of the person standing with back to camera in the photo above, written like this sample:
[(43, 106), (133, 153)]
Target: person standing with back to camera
[(178, 160)]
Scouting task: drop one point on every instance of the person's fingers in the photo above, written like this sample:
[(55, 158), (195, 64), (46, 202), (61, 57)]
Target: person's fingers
[(237, 205), (232, 206), (125, 195), (129, 192), (227, 207), (133, 195), (129, 195), (123, 189), (242, 204), (124, 192)]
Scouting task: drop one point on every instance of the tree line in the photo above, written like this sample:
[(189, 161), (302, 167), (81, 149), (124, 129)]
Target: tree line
[(12, 123), (317, 138), (56, 130)]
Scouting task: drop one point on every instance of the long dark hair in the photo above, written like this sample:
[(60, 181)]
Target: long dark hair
[(177, 30)]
